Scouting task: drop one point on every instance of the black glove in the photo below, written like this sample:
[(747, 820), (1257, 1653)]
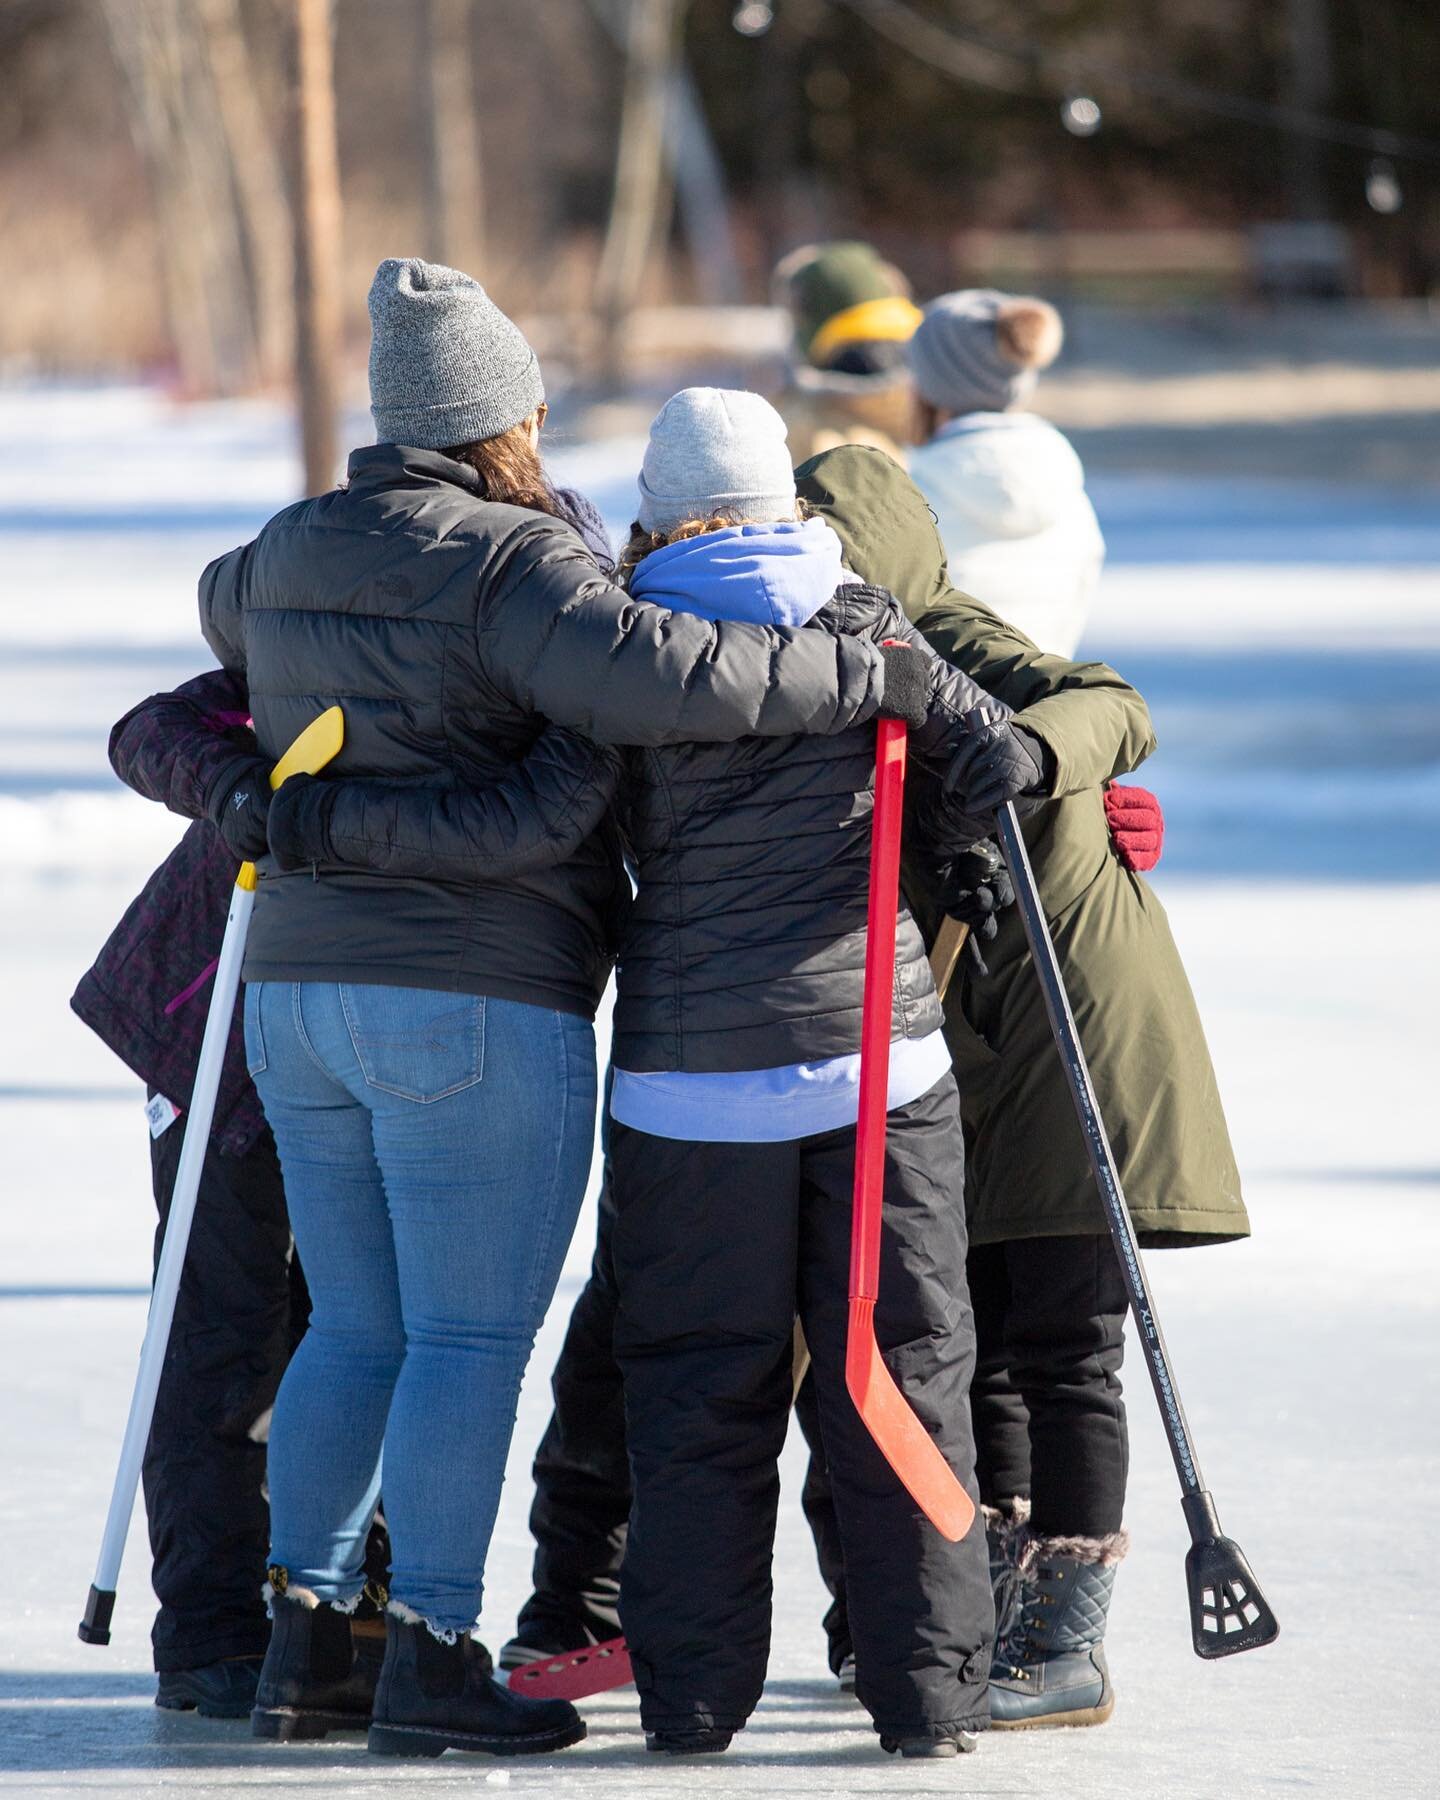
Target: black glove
[(974, 886), (996, 761), (909, 684), (238, 805), (299, 822)]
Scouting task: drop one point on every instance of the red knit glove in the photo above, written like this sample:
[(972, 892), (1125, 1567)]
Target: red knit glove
[(1137, 826)]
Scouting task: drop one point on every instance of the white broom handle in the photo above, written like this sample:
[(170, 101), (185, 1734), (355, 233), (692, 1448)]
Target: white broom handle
[(177, 1230)]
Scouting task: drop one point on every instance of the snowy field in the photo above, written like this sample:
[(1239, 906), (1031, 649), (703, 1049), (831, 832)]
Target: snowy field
[(1288, 638)]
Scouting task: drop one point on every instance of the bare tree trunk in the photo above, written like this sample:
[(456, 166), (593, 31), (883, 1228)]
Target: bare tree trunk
[(174, 120), (450, 134), (317, 243), (259, 175), (639, 166)]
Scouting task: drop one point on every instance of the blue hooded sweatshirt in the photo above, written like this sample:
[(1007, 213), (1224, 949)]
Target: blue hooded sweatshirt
[(769, 574), (779, 574)]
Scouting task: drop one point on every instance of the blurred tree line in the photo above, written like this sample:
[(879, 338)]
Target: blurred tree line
[(581, 155)]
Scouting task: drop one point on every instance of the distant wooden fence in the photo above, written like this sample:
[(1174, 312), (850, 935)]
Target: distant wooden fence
[(1177, 263)]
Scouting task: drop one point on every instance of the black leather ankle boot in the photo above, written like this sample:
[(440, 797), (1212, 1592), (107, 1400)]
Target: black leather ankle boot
[(311, 1682), (435, 1696)]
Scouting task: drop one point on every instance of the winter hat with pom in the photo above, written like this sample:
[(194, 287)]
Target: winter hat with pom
[(980, 351), (446, 365), (715, 450)]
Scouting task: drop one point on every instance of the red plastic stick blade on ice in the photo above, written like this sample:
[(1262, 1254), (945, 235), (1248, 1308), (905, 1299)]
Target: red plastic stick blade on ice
[(906, 1445), (576, 1674)]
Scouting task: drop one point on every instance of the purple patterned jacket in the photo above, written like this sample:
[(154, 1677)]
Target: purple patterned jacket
[(149, 990)]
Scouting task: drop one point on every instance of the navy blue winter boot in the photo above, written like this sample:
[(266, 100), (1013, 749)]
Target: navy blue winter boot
[(1050, 1667)]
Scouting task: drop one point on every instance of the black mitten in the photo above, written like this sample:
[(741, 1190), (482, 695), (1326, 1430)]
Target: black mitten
[(909, 684), (300, 822)]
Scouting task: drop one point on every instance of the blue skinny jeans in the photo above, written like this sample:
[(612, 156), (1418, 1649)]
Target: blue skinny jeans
[(435, 1148)]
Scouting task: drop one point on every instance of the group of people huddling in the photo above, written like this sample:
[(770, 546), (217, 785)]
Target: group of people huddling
[(557, 766)]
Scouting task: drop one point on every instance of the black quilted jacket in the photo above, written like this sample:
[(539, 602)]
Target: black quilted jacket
[(746, 945), (450, 629)]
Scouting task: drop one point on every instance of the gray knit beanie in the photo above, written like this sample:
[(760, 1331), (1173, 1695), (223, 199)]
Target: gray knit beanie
[(715, 450), (980, 351), (446, 366)]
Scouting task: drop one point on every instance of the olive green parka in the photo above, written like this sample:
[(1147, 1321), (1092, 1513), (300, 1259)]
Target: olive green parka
[(1027, 1174)]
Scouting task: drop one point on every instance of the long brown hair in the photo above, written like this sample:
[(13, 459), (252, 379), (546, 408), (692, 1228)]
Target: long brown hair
[(510, 470)]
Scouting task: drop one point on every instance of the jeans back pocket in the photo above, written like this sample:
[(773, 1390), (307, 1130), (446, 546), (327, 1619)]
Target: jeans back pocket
[(416, 1043)]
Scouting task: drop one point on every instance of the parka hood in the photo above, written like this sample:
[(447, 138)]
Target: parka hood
[(768, 574), (887, 530)]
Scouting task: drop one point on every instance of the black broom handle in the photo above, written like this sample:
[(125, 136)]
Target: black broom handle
[(1102, 1157)]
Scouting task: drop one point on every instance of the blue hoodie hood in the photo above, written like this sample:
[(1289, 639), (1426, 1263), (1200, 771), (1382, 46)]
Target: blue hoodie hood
[(774, 574)]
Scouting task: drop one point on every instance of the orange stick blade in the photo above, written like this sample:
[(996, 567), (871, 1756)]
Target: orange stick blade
[(903, 1441)]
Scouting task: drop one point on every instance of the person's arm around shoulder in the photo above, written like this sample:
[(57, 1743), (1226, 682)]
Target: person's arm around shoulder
[(222, 605), (1093, 724), (560, 639), (193, 751), (535, 816), (986, 755)]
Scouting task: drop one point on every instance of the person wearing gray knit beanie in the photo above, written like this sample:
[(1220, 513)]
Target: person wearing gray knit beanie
[(447, 367), (715, 450), (1006, 488), (980, 351)]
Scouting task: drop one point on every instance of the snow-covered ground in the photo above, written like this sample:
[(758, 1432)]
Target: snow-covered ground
[(1289, 640)]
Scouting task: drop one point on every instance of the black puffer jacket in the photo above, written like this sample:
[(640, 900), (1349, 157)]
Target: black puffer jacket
[(746, 945), (449, 629)]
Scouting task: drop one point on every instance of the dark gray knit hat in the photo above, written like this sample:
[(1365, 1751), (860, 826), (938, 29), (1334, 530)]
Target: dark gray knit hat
[(446, 365), (979, 350), (715, 450)]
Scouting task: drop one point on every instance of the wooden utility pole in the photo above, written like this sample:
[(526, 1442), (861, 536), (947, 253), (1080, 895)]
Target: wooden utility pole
[(317, 243), (450, 134)]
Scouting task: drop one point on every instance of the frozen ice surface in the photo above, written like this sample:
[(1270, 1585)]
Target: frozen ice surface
[(1294, 694)]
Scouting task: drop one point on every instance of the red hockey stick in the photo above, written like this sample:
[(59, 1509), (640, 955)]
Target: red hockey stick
[(906, 1445)]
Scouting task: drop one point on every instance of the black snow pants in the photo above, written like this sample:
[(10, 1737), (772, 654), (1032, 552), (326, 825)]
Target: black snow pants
[(716, 1247), (582, 1473), (1049, 1419), (242, 1307)]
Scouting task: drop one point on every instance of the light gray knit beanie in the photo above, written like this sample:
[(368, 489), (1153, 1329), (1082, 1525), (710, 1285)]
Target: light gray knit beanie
[(980, 351), (715, 450), (446, 365)]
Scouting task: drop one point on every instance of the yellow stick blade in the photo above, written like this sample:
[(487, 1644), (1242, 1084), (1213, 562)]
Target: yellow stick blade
[(318, 744)]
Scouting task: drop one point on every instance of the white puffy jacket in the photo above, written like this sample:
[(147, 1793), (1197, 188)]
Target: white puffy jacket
[(1021, 534)]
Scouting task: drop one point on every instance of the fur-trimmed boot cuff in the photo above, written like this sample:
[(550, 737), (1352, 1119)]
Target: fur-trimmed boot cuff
[(1006, 1515), (1091, 1552)]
